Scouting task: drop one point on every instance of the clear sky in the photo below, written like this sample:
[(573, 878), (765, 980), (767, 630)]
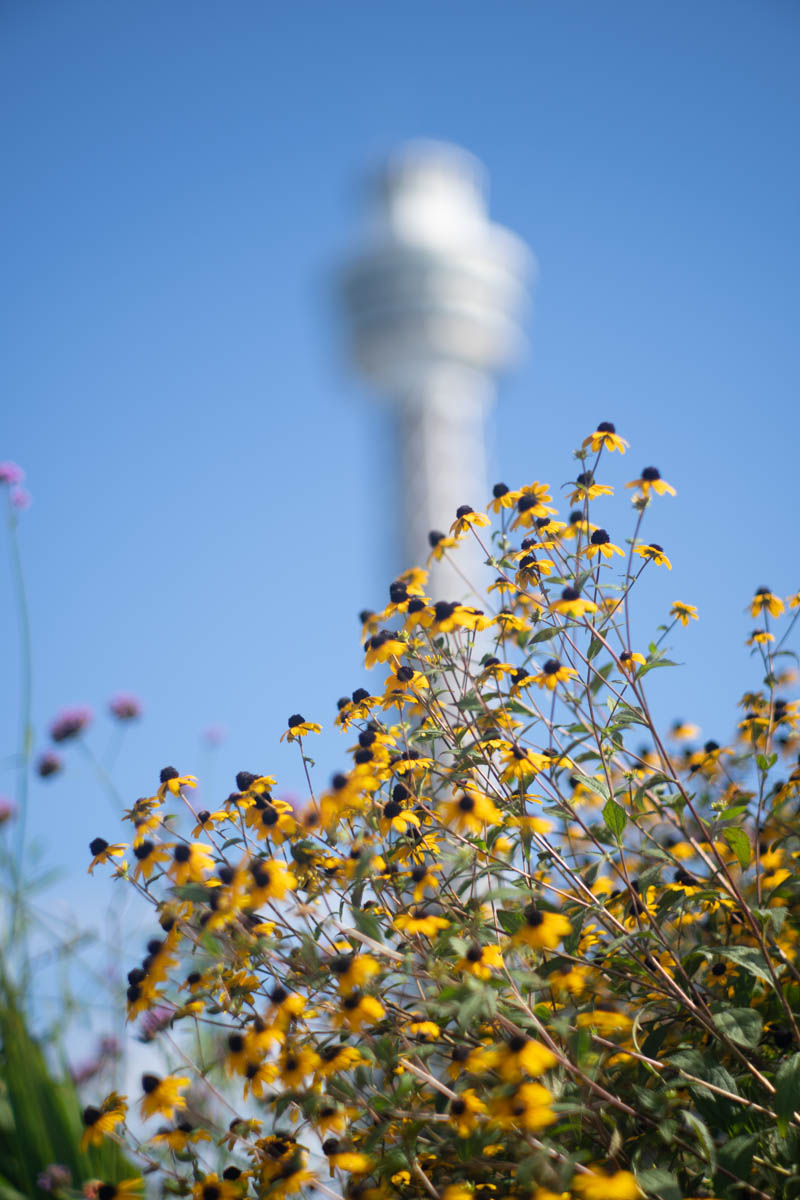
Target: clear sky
[(210, 508)]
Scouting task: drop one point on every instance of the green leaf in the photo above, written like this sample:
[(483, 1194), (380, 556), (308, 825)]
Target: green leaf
[(787, 1091), (739, 843), (598, 786), (740, 1025), (703, 1136), (368, 924), (510, 919), (615, 817), (656, 1181)]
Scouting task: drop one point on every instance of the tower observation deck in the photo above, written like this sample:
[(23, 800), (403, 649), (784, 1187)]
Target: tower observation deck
[(433, 300)]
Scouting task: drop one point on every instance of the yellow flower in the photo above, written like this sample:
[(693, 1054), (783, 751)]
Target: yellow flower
[(683, 612), (345, 1160), (162, 1095), (529, 1106), (587, 489), (542, 929), (651, 479), (271, 880), (102, 851), (440, 543), (629, 659), (298, 727), (523, 1055), (417, 921), (533, 504), (126, 1189), (358, 1010), (207, 820), (211, 1187), (148, 856), (503, 497), (101, 1121), (190, 862), (605, 437), (428, 1031), (178, 1138), (520, 764), (552, 673), (765, 599), (572, 604), (471, 811), (296, 1063), (600, 543), (607, 1020), (760, 637), (480, 961), (384, 646), (172, 782), (597, 1185), (465, 1110), (654, 553), (353, 970), (467, 518)]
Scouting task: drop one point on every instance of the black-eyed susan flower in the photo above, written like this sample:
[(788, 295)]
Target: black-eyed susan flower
[(163, 1095), (395, 817), (336, 1058), (172, 781), (126, 1189), (760, 637), (384, 646), (529, 1106), (343, 1159), (552, 673), (522, 1055), (600, 543), (466, 519), (605, 437), (270, 878), (572, 604), (439, 543), (298, 727), (650, 479), (190, 862), (103, 852), (542, 929), (502, 497), (520, 764), (585, 488), (100, 1122), (765, 600), (352, 971), (258, 1075), (466, 1110), (471, 811), (480, 961), (509, 623), (148, 855), (599, 1185), (180, 1136), (211, 1187), (417, 920), (207, 821), (683, 612), (653, 553), (630, 661), (296, 1063), (357, 1010)]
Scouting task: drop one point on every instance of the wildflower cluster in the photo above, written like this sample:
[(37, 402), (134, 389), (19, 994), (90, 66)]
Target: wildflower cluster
[(501, 953)]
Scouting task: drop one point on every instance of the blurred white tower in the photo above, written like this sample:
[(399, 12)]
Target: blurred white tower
[(433, 300)]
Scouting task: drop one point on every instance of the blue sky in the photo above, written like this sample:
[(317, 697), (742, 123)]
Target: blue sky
[(181, 181)]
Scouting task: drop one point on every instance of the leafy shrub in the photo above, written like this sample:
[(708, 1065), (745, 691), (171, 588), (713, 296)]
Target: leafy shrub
[(503, 954)]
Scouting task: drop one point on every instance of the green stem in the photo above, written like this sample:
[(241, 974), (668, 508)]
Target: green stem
[(26, 726)]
